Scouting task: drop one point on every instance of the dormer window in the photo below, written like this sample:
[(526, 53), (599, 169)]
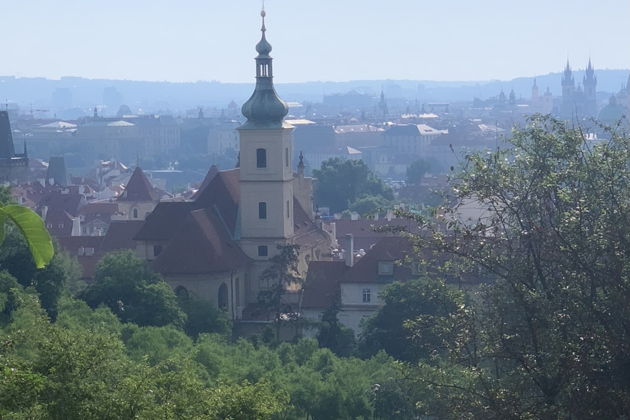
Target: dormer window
[(261, 158), (385, 268)]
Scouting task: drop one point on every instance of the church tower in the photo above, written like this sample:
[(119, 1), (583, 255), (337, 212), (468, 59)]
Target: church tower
[(590, 90), (266, 175), (568, 92), (535, 92)]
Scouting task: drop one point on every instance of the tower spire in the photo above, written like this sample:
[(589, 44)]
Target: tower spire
[(264, 109)]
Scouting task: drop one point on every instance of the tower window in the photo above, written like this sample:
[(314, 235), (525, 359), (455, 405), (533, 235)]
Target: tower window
[(288, 209), (261, 158), (286, 157), (367, 295), (262, 210), (263, 251)]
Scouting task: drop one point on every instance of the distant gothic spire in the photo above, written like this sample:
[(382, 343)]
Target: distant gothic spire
[(264, 109)]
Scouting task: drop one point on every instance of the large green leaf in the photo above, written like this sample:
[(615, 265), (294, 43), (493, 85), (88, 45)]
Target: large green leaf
[(33, 229)]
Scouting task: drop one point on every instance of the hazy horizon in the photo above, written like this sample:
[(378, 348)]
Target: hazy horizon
[(325, 41)]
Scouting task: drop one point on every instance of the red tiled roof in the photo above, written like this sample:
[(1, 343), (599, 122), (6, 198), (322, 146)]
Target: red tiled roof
[(365, 231), (59, 223), (139, 188), (120, 235), (68, 200), (212, 172), (322, 283), (222, 192), (164, 221), (390, 249), (102, 208), (305, 230), (201, 245)]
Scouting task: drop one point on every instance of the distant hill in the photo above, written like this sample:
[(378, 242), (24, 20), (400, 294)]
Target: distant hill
[(76, 92)]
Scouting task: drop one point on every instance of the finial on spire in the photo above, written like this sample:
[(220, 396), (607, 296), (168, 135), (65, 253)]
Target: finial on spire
[(301, 165), (263, 14)]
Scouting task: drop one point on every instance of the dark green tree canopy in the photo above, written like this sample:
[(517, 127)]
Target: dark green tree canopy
[(417, 170), (424, 303), (126, 285), (548, 335), (341, 182)]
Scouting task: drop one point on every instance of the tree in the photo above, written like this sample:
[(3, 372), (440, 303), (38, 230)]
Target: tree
[(341, 182), (368, 205), (334, 335), (49, 281), (202, 316), (547, 336), (417, 170), (421, 303), (281, 274), (126, 285)]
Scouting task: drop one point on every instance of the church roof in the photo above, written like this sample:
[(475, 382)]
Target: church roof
[(139, 188), (164, 221), (390, 249), (201, 245), (201, 234), (322, 283)]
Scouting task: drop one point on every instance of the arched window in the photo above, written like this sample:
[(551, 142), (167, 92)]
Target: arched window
[(181, 292), (135, 213), (223, 297), (261, 158)]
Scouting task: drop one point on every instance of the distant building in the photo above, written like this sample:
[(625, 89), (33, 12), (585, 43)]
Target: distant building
[(138, 199), (541, 104), (356, 285), (13, 166), (581, 101)]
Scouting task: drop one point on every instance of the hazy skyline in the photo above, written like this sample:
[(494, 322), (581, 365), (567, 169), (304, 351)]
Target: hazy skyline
[(329, 40)]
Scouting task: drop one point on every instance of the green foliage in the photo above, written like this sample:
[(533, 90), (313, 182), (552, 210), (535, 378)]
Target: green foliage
[(5, 195), (409, 325), (81, 368), (49, 282), (334, 335), (32, 228), (547, 336), (417, 170), (155, 344), (369, 205), (202, 316), (342, 182), (126, 285), (281, 274)]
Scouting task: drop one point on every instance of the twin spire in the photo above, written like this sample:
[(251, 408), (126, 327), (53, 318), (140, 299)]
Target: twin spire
[(264, 109)]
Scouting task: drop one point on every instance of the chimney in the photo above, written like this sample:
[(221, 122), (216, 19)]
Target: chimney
[(349, 250)]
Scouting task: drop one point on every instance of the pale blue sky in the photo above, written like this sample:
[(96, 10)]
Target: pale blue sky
[(189, 40)]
